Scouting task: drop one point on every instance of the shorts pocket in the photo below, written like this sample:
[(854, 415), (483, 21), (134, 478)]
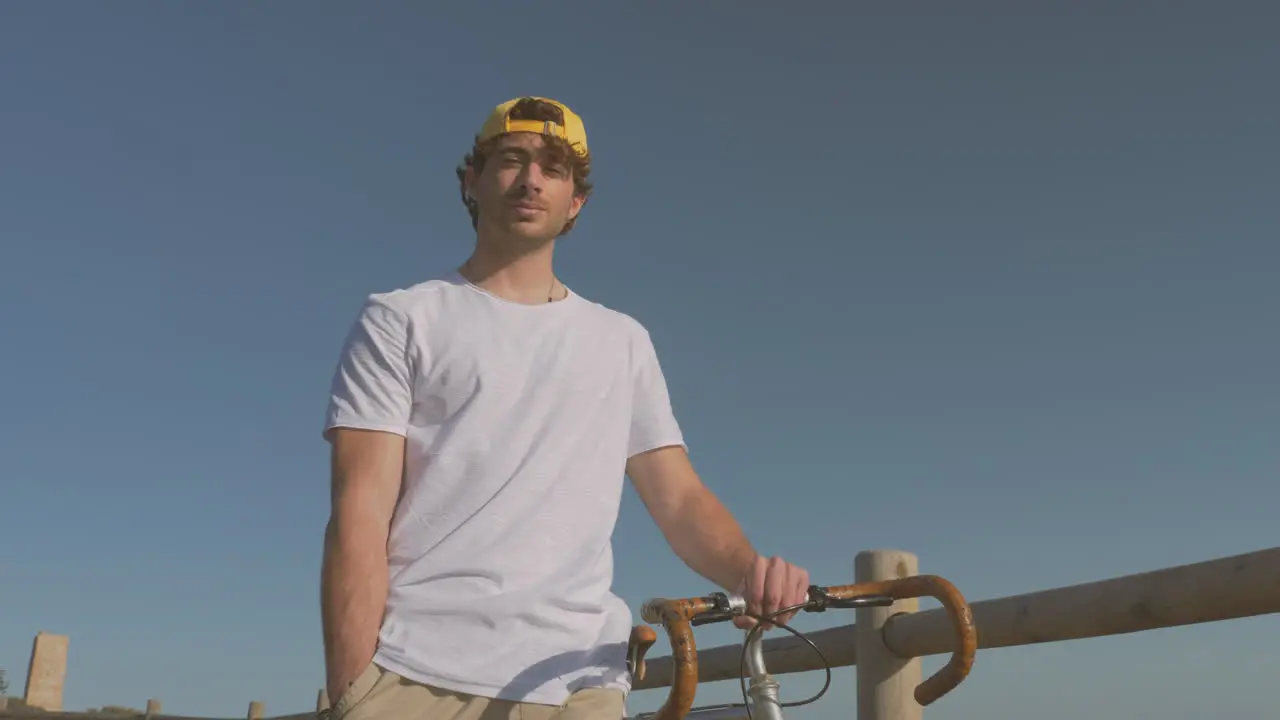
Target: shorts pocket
[(357, 691)]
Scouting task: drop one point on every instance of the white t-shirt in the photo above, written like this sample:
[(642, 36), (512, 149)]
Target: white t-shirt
[(519, 420)]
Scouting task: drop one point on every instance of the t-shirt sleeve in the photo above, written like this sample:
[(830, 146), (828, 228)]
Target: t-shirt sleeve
[(653, 423), (372, 387)]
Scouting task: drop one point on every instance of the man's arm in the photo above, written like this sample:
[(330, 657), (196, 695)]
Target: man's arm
[(696, 524), (704, 534), (699, 528), (366, 474)]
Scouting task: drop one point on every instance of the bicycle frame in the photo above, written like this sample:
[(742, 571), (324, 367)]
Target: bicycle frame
[(679, 617)]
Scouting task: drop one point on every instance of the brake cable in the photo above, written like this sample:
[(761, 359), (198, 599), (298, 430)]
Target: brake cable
[(742, 665), (819, 600)]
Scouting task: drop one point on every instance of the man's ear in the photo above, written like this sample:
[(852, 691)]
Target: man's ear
[(468, 180), (579, 201)]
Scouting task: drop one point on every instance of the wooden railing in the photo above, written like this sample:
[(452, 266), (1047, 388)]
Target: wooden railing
[(885, 644), (256, 712), (153, 712)]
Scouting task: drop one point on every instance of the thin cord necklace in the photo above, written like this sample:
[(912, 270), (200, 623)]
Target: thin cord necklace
[(466, 268)]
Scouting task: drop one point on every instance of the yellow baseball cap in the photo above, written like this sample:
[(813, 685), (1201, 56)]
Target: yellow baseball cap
[(499, 122)]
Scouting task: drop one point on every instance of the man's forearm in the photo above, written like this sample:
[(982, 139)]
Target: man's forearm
[(353, 596), (705, 535)]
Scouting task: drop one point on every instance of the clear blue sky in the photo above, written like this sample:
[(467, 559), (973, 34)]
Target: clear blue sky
[(999, 289)]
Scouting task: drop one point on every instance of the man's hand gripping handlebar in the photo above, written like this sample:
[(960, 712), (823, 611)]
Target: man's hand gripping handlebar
[(680, 616)]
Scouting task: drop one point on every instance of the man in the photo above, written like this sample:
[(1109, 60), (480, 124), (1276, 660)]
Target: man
[(480, 426)]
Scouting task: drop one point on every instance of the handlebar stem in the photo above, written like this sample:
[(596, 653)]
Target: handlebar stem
[(763, 690)]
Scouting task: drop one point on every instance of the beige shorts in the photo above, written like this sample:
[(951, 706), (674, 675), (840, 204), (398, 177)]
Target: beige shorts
[(380, 693)]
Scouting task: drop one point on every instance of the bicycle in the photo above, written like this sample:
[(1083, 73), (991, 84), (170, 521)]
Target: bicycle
[(760, 700)]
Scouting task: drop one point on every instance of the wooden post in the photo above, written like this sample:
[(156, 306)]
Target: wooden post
[(4, 702), (322, 700), (885, 681), (255, 710), (153, 708)]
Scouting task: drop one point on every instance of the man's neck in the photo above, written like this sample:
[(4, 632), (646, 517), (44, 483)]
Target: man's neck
[(526, 277)]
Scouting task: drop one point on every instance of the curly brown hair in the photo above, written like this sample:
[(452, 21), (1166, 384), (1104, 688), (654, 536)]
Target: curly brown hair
[(555, 151)]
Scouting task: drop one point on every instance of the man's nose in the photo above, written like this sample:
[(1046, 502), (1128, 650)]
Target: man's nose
[(532, 178)]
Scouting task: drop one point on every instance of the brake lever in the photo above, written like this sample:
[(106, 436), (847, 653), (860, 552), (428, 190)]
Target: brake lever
[(710, 618), (726, 608), (819, 601)]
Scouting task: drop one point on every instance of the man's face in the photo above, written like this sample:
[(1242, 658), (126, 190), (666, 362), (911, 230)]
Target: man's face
[(521, 192)]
